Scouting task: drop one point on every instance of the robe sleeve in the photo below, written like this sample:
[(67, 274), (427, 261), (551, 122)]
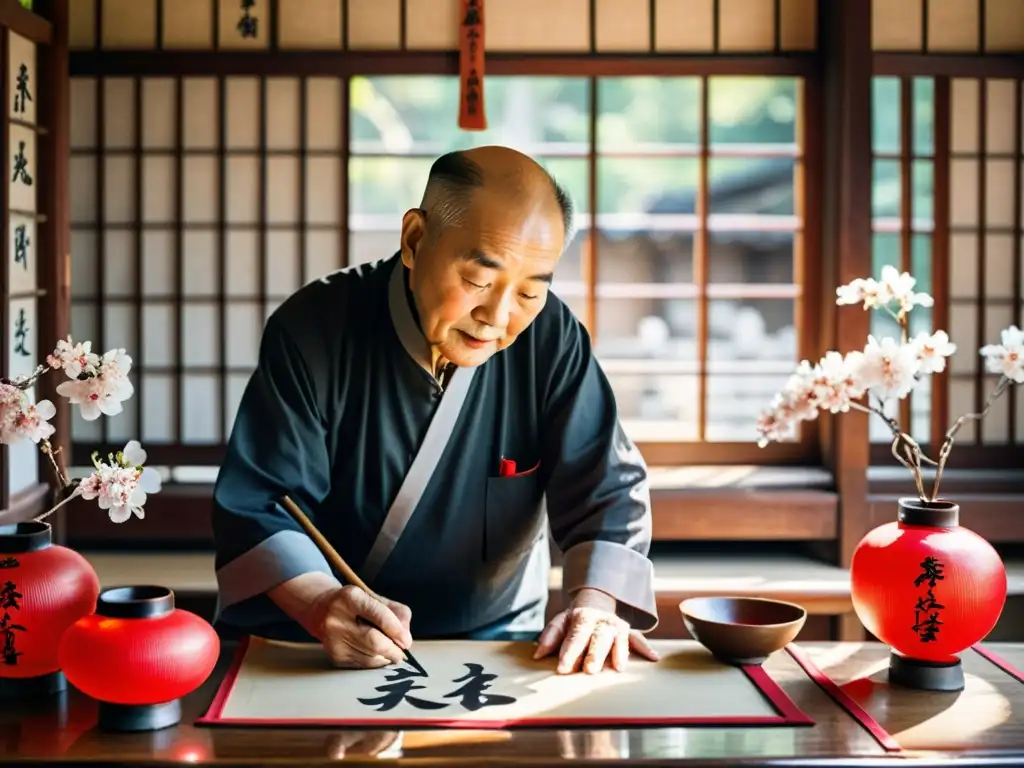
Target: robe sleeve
[(598, 499), (278, 446)]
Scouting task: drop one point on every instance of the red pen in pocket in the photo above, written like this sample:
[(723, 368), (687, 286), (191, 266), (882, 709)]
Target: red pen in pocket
[(506, 468)]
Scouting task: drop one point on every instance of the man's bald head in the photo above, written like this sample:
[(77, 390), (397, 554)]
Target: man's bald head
[(482, 250), (457, 177)]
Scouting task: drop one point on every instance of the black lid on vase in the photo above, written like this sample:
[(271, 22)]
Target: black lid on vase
[(20, 538), (139, 602)]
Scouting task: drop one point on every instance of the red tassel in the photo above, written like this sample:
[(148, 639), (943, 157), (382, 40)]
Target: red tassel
[(472, 116)]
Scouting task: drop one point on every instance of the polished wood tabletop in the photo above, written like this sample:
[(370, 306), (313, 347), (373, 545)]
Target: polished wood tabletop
[(982, 725)]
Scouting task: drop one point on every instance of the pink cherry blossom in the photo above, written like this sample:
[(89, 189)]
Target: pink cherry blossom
[(121, 484)]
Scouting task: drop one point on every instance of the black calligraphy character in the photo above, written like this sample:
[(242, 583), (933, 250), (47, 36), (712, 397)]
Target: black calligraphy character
[(9, 596), (400, 683), (20, 335), (472, 92), (21, 166), (21, 244), (7, 629), (22, 95), (474, 38), (472, 17), (9, 562), (931, 571), (928, 603), (248, 25), (928, 629), (472, 693)]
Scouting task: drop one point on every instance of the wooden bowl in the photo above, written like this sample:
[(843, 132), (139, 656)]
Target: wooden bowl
[(742, 630)]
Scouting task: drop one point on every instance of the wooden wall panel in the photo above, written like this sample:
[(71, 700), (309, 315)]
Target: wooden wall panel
[(952, 26), (314, 24), (684, 25), (433, 26), (538, 25), (948, 26), (188, 24), (129, 24), (374, 24), (623, 26), (82, 24), (541, 26)]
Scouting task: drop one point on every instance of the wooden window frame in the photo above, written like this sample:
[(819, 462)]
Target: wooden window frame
[(944, 68), (805, 452), (47, 27)]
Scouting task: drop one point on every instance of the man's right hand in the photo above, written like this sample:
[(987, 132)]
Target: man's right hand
[(351, 643)]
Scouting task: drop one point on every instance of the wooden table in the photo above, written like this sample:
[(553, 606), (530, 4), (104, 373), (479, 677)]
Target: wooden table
[(983, 725)]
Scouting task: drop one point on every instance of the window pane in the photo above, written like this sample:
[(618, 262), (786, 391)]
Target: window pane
[(637, 188), (744, 334), (416, 114), (752, 110), (924, 194), (754, 186), (885, 114), (924, 115), (886, 194), (657, 407), (639, 329), (638, 111), (645, 256), (736, 400), (751, 258)]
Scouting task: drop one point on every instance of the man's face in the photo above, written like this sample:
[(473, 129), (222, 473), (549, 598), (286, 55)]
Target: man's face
[(483, 281)]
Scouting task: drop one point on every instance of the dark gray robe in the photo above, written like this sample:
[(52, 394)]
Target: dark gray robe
[(401, 475)]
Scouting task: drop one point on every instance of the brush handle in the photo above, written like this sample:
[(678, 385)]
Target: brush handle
[(338, 563), (336, 560)]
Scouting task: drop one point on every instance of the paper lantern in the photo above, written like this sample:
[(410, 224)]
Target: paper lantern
[(929, 589), (44, 588), (138, 655)]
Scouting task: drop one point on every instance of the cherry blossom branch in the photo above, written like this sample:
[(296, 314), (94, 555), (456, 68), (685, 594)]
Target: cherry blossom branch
[(947, 444), (73, 495)]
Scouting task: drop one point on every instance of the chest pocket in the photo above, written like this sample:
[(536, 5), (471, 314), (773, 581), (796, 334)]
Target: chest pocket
[(512, 518)]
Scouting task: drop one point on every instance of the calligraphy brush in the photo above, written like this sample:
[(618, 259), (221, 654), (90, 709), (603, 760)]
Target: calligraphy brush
[(339, 564)]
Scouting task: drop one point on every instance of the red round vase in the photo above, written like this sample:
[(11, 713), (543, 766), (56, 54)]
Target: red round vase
[(138, 655), (929, 589), (44, 588)]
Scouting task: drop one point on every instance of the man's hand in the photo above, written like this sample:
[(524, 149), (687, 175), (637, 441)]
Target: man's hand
[(588, 633), (351, 643)]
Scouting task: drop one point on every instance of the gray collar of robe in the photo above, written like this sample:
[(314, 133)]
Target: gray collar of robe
[(439, 432), (406, 327)]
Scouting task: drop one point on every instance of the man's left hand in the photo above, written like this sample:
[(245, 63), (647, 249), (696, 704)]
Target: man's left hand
[(589, 634)]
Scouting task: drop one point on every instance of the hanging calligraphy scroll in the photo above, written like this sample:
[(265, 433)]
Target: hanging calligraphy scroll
[(472, 116), (23, 222)]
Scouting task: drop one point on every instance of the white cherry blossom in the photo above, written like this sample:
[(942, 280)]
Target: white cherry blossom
[(932, 350), (863, 290), (837, 381), (888, 368), (1007, 357), (105, 390), (899, 287)]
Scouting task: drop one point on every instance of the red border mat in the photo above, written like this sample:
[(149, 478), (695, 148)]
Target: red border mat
[(788, 712), (999, 661), (829, 686)]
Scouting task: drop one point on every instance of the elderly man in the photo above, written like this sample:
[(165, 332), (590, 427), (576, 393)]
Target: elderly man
[(432, 413)]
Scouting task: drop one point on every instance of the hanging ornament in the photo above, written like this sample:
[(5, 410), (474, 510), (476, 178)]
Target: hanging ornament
[(472, 116)]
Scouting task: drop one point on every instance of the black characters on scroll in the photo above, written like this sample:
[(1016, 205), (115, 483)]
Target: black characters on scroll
[(471, 694)]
